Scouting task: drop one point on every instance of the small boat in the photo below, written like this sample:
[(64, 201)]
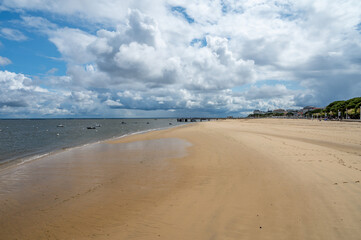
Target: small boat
[(147, 122), (90, 127), (98, 125), (123, 123), (170, 123), (60, 125)]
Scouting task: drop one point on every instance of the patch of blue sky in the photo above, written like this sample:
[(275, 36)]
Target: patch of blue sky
[(33, 56), (6, 16), (61, 21), (183, 12), (291, 85), (200, 42), (10, 20), (71, 22), (226, 8), (287, 12)]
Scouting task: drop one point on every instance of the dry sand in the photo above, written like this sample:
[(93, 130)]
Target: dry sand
[(236, 179)]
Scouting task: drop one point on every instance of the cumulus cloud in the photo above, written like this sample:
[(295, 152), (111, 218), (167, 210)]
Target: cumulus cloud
[(12, 81), (21, 96), (17, 92), (72, 44), (113, 104), (188, 56), (137, 53)]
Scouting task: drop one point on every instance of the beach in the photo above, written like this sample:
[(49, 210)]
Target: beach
[(226, 179)]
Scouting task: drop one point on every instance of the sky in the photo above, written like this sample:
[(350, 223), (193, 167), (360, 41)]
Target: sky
[(167, 58)]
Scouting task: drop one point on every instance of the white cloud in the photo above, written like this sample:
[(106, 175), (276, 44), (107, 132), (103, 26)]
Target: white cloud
[(4, 61), (20, 96), (72, 44), (18, 92), (113, 104), (12, 34), (268, 92), (39, 23), (13, 81), (52, 71)]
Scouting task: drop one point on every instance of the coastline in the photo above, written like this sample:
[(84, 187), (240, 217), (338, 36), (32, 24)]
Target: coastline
[(15, 161), (233, 179)]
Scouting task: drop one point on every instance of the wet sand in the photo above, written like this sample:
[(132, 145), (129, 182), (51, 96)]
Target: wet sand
[(236, 179)]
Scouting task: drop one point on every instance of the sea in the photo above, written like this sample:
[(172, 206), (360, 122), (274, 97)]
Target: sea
[(23, 140)]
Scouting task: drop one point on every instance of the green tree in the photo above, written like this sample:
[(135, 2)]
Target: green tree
[(331, 107), (351, 103), (357, 110), (338, 106)]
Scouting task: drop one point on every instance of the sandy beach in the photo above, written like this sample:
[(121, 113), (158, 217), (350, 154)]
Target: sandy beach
[(233, 179)]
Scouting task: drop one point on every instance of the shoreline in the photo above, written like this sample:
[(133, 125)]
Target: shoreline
[(233, 179), (16, 161)]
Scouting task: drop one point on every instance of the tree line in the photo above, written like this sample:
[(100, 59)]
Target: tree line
[(349, 108), (337, 109)]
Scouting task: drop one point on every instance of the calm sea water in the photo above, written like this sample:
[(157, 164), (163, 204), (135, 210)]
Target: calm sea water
[(28, 138)]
